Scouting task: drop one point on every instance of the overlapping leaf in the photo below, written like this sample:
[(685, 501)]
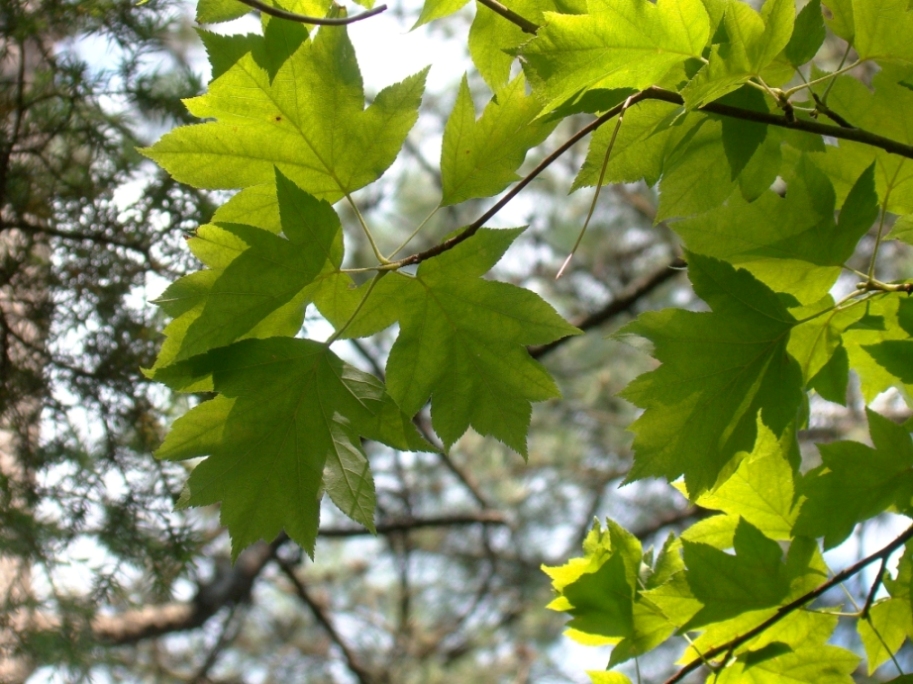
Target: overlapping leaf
[(884, 630), (258, 285), (761, 491), (618, 44), (729, 585), (822, 664), (288, 422), (309, 121), (462, 340), (493, 39), (719, 370), (792, 243), (872, 109), (877, 343), (856, 482), (602, 593), (481, 158), (752, 42)]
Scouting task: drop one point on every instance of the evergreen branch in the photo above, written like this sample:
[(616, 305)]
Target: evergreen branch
[(791, 607), (525, 24), (317, 21)]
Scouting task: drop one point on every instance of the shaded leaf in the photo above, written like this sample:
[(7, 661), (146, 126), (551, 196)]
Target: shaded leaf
[(288, 410), (719, 370)]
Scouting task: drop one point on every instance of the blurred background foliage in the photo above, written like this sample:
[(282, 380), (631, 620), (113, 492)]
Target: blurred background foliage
[(102, 581)]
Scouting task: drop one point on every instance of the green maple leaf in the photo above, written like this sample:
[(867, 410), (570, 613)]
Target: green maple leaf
[(462, 344), (902, 229), (817, 344), (309, 121), (493, 40), (752, 43), (618, 44), (822, 664), (718, 371), (287, 424), (840, 20), (884, 630), (213, 308), (808, 34), (754, 578), (600, 592), (761, 489), (437, 9), (872, 110), (856, 482), (882, 29), (639, 150), (799, 628), (792, 243), (480, 158), (869, 343), (462, 339), (704, 166)]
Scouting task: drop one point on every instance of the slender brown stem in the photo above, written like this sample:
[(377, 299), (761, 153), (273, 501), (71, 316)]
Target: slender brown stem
[(362, 674), (654, 93), (791, 607), (317, 21), (525, 24)]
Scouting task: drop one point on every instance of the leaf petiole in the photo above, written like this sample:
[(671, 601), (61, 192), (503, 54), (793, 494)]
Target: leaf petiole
[(335, 336), (364, 226), (415, 232), (605, 163)]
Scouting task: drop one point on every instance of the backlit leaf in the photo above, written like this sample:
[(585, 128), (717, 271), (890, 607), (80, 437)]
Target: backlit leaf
[(619, 43)]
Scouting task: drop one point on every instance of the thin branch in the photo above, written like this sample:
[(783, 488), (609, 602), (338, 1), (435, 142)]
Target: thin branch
[(830, 113), (474, 227), (360, 672), (623, 303), (791, 607), (870, 598), (525, 24), (488, 517), (854, 134), (653, 93), (302, 19), (228, 633)]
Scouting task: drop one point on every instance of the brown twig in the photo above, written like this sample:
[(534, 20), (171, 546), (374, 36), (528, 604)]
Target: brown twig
[(783, 611), (488, 517), (620, 304), (525, 24), (354, 665), (317, 21), (653, 93)]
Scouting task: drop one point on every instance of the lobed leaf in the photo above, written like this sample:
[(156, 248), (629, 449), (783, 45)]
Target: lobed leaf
[(288, 411), (618, 44), (309, 121)]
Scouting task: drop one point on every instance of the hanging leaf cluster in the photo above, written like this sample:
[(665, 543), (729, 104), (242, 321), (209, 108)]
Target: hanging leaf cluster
[(772, 161)]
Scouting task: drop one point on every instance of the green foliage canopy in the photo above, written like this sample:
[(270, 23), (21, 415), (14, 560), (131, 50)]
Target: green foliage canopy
[(772, 164)]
